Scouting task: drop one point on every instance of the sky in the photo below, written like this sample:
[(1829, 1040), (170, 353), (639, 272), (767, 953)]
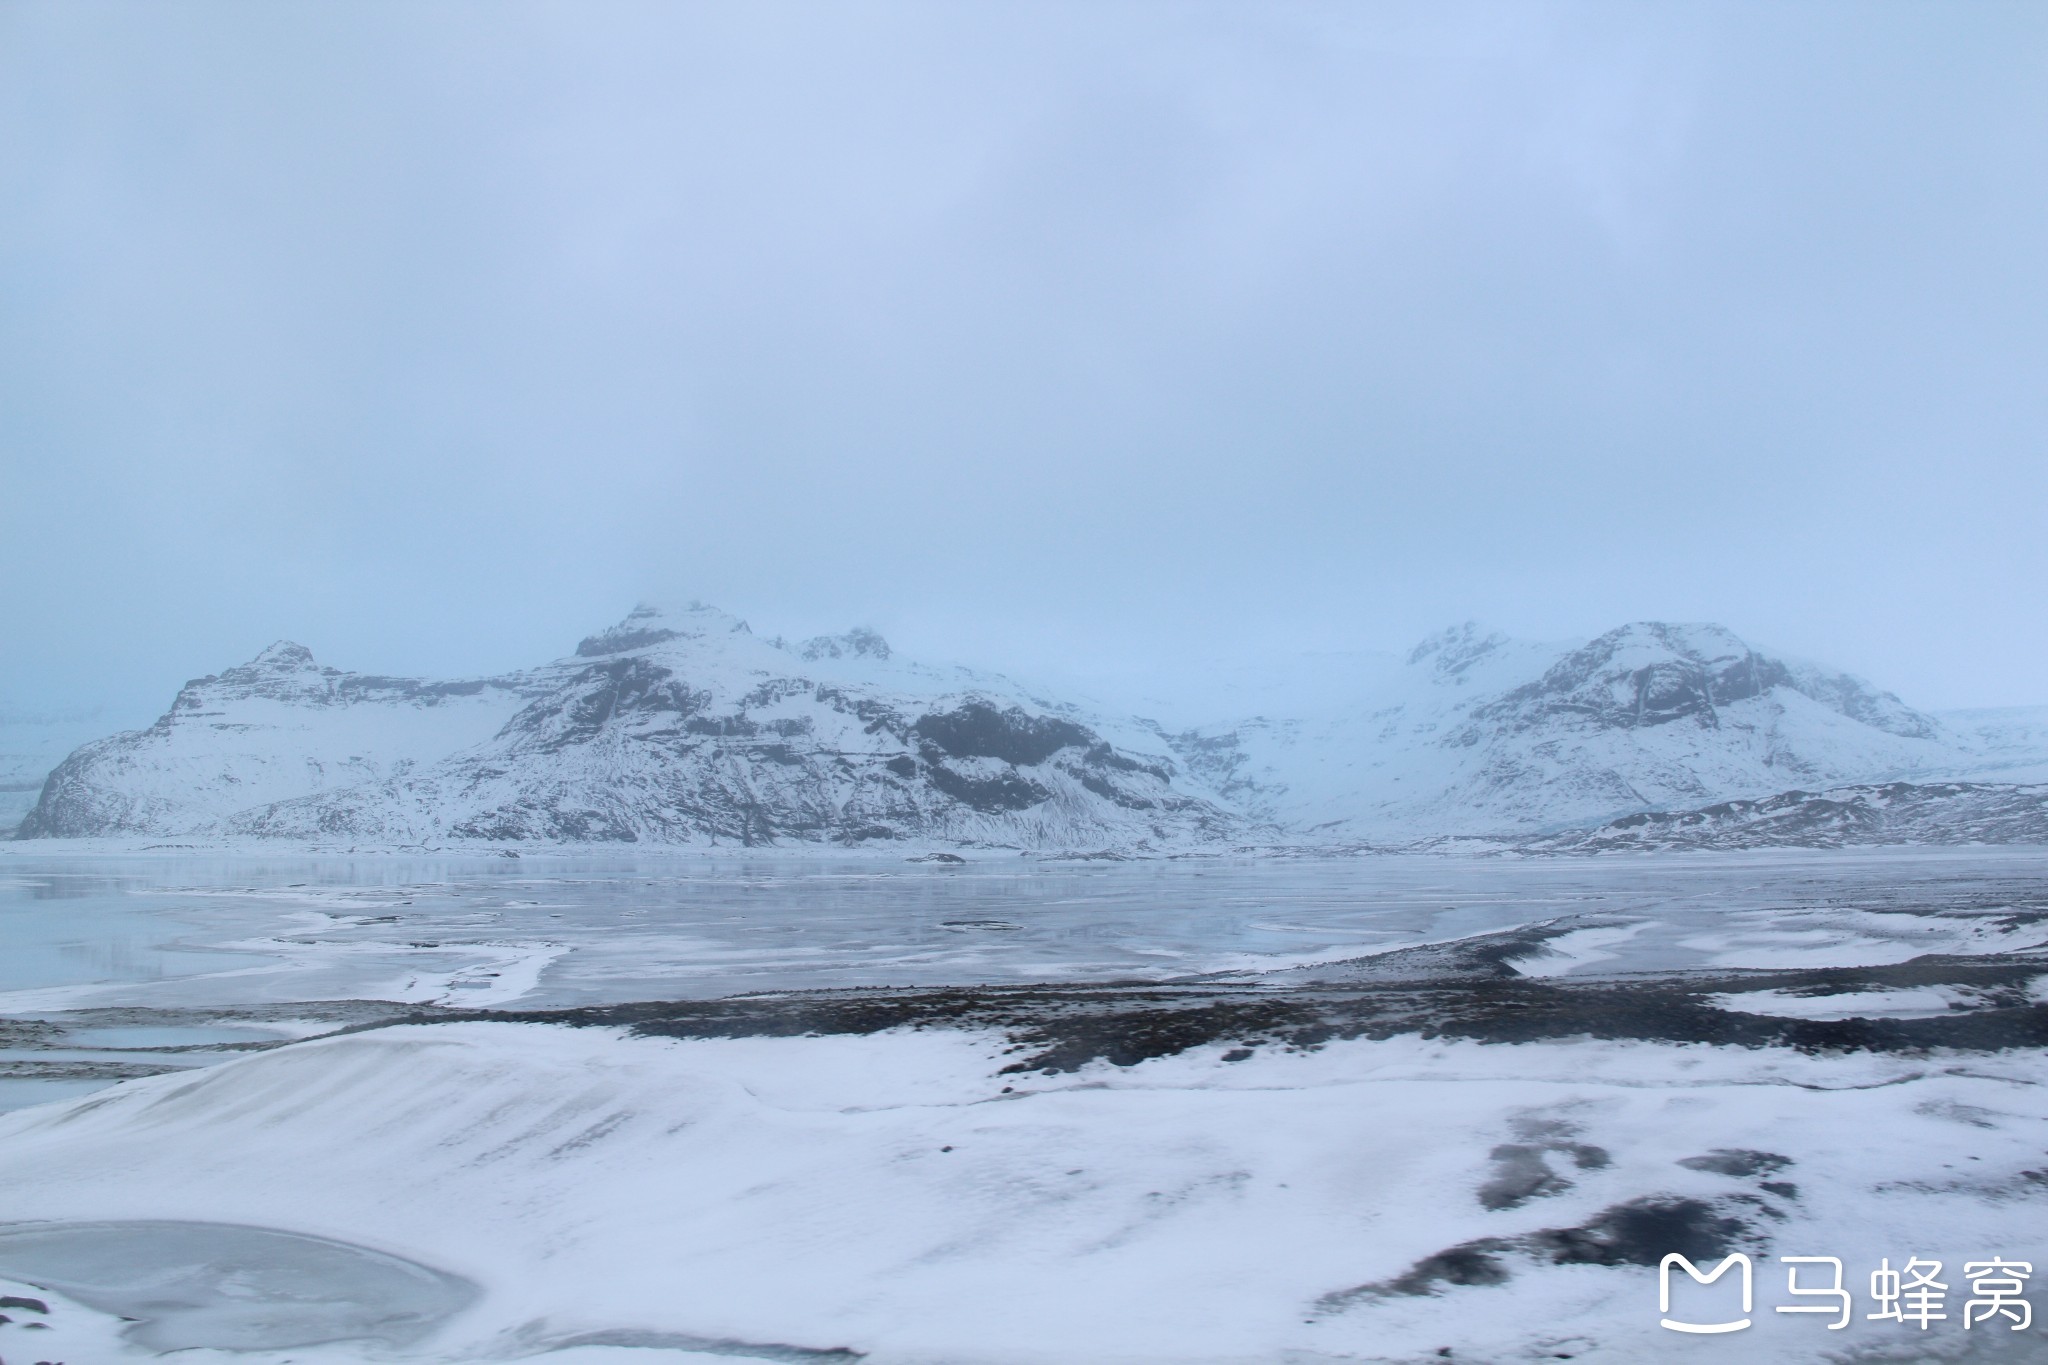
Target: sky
[(1056, 337)]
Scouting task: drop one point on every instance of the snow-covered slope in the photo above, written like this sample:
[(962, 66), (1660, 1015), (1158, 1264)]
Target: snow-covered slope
[(673, 727), (2004, 744), (495, 1192), (1479, 733)]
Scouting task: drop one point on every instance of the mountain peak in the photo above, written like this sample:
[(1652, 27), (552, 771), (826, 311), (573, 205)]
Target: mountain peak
[(1457, 648), (859, 642), (652, 624), (1701, 641), (1650, 673), (285, 655)]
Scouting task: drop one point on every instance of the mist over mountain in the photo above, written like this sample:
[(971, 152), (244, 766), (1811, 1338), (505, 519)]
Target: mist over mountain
[(683, 727), (1478, 733), (31, 744)]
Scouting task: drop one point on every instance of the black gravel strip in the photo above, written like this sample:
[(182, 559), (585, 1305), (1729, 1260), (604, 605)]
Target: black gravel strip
[(1061, 1028)]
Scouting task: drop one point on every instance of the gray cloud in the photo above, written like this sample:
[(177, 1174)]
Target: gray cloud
[(434, 335)]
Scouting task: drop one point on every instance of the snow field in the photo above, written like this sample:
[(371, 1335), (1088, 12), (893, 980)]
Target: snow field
[(888, 1195)]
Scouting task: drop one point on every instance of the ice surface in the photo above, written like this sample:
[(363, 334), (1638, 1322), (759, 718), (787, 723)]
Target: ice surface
[(188, 1284), (1913, 1002), (570, 931)]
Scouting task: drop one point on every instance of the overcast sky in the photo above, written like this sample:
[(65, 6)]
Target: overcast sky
[(433, 335)]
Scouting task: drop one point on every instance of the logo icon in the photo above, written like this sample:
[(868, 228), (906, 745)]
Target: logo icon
[(1704, 1328)]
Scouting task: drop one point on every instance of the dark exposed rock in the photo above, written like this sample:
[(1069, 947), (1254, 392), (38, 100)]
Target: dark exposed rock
[(1738, 1161), (1064, 1028), (1005, 791), (1639, 1232), (642, 627), (615, 689), (857, 643), (977, 729)]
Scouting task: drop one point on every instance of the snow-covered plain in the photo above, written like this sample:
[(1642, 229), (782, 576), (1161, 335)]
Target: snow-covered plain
[(464, 1189)]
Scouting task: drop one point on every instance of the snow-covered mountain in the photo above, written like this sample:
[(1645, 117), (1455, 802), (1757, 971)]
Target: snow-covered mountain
[(683, 727), (278, 727), (1480, 733), (673, 727)]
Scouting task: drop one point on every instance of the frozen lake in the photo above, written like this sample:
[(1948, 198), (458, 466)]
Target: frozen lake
[(172, 932), (254, 937)]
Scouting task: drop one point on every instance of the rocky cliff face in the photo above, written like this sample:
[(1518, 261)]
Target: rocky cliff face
[(672, 727)]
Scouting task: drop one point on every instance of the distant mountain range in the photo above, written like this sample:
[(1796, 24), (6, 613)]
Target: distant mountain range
[(683, 727)]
